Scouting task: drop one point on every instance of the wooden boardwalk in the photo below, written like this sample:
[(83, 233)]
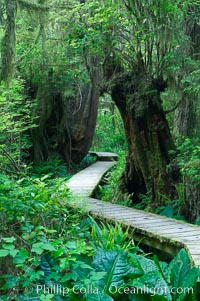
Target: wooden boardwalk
[(159, 232)]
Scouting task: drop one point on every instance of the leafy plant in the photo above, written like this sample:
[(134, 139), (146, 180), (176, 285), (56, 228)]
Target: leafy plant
[(103, 264), (16, 119), (109, 133), (110, 237), (108, 190), (54, 168), (87, 161)]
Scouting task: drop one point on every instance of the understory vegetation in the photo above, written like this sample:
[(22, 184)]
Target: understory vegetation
[(109, 133), (51, 252)]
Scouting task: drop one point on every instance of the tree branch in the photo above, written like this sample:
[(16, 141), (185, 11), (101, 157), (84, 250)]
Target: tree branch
[(13, 162), (174, 108), (30, 49)]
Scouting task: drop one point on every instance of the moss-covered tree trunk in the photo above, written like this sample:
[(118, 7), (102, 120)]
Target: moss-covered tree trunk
[(185, 117), (149, 166), (82, 123), (66, 124), (185, 121), (8, 42)]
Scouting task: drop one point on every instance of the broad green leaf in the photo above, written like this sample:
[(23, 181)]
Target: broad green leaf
[(168, 211), (13, 253), (21, 257), (147, 265), (162, 267), (39, 247), (4, 253), (179, 268), (71, 244), (142, 297), (96, 276), (48, 297), (100, 296), (152, 283), (189, 284), (9, 239), (8, 246), (10, 283), (49, 247), (46, 264), (117, 268)]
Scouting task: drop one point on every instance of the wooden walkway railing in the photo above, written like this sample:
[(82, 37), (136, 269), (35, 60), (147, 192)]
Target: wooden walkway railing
[(159, 232)]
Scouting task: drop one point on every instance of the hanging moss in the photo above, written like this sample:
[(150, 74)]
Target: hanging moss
[(24, 4), (8, 42)]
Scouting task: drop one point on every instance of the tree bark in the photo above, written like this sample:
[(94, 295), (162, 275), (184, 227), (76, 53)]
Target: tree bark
[(82, 123), (8, 42), (185, 121), (65, 124), (149, 166), (185, 117)]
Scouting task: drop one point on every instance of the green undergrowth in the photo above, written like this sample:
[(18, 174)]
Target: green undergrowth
[(57, 168), (107, 190), (87, 161), (109, 132), (54, 168), (189, 156), (51, 252)]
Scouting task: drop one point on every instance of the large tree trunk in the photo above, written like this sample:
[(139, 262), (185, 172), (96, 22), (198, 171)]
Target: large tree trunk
[(149, 167), (66, 124), (67, 119), (185, 121), (82, 123), (188, 124), (185, 117), (8, 42)]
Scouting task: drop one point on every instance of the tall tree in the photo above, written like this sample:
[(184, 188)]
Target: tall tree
[(137, 93), (185, 121), (67, 96), (55, 76), (140, 39), (8, 42)]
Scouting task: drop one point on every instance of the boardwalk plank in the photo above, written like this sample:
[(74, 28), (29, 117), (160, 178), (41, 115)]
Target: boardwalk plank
[(154, 230)]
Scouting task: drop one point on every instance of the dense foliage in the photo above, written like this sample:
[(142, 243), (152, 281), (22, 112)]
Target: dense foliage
[(48, 252)]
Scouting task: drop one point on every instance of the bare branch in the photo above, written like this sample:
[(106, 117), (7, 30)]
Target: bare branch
[(13, 162)]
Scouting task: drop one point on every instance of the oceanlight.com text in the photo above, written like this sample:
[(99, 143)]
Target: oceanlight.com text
[(90, 289)]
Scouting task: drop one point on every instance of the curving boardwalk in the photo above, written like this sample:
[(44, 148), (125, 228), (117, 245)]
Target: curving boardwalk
[(160, 232)]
